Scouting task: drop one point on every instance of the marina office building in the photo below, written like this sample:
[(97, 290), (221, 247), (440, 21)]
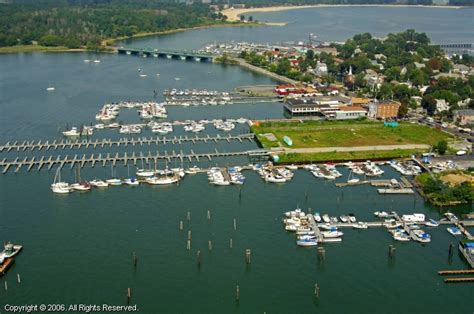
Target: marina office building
[(323, 107)]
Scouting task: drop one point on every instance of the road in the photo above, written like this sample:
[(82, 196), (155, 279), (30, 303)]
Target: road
[(350, 148)]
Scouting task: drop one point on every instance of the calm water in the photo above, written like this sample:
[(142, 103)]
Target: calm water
[(330, 24), (78, 248)]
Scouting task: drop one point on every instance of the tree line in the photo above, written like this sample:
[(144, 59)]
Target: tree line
[(77, 23)]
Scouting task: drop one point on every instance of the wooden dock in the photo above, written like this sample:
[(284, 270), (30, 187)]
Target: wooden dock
[(125, 158), (108, 143), (459, 280), (315, 228), (456, 272)]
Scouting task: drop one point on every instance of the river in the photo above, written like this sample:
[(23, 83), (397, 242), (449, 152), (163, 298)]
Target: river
[(78, 248)]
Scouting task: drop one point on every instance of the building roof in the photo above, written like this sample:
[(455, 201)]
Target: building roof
[(359, 100)]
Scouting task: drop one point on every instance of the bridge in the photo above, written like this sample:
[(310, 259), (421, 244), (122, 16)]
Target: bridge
[(170, 54), (458, 49)]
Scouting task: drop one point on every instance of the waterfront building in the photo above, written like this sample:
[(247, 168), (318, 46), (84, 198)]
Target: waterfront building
[(383, 109), (350, 112), (318, 107)]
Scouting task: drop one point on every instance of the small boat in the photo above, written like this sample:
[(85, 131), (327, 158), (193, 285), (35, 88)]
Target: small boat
[(291, 228), (421, 236), (454, 231), (131, 182), (352, 218), (292, 167), (177, 79), (72, 132), (432, 223), (306, 237), (96, 61), (344, 218), (467, 250), (81, 186), (401, 236), (50, 89), (327, 226), (381, 214), (145, 173), (161, 180), (114, 181)]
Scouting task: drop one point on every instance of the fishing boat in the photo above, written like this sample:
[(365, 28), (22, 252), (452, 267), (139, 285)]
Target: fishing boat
[(467, 250), (58, 186), (455, 231)]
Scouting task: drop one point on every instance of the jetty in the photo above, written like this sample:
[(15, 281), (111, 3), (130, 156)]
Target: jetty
[(125, 141)]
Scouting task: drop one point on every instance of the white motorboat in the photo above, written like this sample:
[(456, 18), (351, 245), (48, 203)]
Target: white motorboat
[(360, 225), (402, 237), (332, 234), (317, 217), (326, 218), (81, 186), (292, 167), (10, 250), (352, 218), (344, 218), (192, 170), (381, 214), (432, 223), (50, 89), (58, 186), (421, 236), (145, 173), (114, 181), (307, 243), (454, 231)]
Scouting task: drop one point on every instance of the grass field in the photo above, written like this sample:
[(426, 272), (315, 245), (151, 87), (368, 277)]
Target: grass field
[(346, 133), (35, 48), (346, 156)]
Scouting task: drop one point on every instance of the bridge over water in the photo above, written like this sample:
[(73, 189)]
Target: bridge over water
[(170, 54), (459, 49)]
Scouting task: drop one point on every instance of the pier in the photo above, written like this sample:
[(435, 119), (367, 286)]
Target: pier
[(125, 158), (89, 143)]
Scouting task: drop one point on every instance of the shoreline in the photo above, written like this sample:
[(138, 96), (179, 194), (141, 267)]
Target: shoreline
[(233, 14), (109, 43)]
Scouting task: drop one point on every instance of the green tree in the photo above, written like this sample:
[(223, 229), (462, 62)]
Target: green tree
[(441, 147), (283, 67)]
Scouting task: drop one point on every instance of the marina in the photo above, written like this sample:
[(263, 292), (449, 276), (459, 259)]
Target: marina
[(141, 232)]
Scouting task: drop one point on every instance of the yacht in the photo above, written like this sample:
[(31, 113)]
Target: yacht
[(145, 173), (192, 170), (58, 186), (333, 233), (10, 250), (113, 181), (432, 223), (162, 180), (401, 236), (72, 132), (81, 186), (421, 236), (308, 242)]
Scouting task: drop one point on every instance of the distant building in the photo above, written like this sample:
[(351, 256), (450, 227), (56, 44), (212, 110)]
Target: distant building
[(321, 69), (383, 109), (464, 117), (358, 101)]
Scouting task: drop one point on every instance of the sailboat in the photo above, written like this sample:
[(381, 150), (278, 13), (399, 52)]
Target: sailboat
[(113, 180), (58, 186), (130, 180), (351, 179), (144, 172), (80, 186)]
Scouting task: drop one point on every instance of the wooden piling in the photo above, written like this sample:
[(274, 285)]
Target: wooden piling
[(18, 278), (237, 293), (6, 286), (210, 245), (316, 290), (135, 259), (189, 234), (208, 215), (235, 224), (450, 252), (321, 254), (248, 254), (230, 243), (199, 258), (188, 246), (391, 251), (189, 216), (180, 225), (129, 294)]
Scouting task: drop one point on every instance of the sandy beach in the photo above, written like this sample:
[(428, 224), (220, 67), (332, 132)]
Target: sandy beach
[(233, 14)]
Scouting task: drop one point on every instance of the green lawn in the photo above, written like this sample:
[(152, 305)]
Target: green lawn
[(347, 133), (34, 48)]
